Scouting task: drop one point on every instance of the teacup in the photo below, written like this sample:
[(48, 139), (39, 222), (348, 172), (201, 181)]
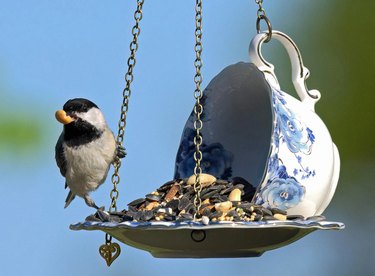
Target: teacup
[(254, 131), (304, 164)]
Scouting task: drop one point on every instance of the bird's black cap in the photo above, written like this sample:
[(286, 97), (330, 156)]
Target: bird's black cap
[(78, 105)]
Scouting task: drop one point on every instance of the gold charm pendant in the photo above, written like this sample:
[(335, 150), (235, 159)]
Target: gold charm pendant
[(109, 251)]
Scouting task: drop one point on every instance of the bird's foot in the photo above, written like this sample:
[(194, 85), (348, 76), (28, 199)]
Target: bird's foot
[(90, 202), (121, 151), (101, 208)]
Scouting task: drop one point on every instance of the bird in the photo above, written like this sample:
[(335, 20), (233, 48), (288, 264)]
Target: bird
[(85, 149)]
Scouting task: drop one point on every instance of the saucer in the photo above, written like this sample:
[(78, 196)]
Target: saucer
[(190, 239)]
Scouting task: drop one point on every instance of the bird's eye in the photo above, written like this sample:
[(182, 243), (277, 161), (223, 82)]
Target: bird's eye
[(84, 108)]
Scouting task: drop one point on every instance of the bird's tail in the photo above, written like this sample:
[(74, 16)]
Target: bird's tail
[(69, 199)]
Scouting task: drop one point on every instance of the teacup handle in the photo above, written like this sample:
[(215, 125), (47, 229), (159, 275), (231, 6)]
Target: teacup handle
[(299, 72)]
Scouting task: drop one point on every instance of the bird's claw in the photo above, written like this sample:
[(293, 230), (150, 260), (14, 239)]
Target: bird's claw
[(121, 151)]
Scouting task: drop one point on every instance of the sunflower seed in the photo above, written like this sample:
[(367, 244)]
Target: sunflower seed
[(295, 217), (221, 182), (215, 214), (227, 190), (190, 208), (103, 215), (173, 204), (206, 212), (93, 218), (115, 219), (184, 202), (208, 195), (172, 192), (165, 187), (266, 211), (232, 213), (137, 216), (126, 218), (147, 215), (278, 211), (152, 197), (137, 202), (186, 216), (170, 218), (269, 218), (167, 211)]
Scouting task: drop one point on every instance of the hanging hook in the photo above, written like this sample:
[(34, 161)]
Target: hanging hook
[(269, 26)]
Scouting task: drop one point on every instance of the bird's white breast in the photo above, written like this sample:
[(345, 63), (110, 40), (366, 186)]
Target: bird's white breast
[(88, 165)]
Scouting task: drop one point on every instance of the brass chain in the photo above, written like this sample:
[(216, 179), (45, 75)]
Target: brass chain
[(129, 77), (260, 10), (198, 108), (261, 15)]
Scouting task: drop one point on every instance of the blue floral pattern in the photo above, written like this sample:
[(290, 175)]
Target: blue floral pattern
[(294, 133), (217, 161), (283, 193), (282, 190)]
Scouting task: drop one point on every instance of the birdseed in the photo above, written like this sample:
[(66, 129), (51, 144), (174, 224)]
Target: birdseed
[(173, 201)]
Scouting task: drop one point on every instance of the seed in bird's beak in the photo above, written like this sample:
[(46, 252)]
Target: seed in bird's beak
[(62, 117)]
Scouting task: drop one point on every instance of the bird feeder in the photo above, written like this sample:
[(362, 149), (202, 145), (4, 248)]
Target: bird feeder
[(254, 171)]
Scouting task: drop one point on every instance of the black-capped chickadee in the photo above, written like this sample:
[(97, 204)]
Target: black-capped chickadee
[(85, 149)]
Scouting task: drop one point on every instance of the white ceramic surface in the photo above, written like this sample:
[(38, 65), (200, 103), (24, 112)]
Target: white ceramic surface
[(303, 164)]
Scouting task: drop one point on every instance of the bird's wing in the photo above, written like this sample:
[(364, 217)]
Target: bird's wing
[(59, 155)]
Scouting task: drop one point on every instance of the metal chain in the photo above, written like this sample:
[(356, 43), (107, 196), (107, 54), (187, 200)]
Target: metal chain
[(260, 11), (261, 15), (198, 108), (136, 30)]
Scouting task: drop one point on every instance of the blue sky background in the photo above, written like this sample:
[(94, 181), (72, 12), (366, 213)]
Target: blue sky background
[(51, 51)]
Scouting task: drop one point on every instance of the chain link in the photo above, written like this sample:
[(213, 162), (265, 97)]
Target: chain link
[(260, 11), (129, 77), (198, 108), (261, 15)]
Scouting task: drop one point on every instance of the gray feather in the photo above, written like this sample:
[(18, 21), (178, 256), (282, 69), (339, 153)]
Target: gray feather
[(69, 199), (59, 155)]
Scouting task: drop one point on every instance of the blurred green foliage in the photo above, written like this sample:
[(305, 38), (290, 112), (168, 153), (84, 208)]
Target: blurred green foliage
[(336, 44), (351, 83), (18, 134), (20, 131), (343, 44)]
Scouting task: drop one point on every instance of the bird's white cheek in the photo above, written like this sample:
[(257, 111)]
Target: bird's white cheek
[(95, 117)]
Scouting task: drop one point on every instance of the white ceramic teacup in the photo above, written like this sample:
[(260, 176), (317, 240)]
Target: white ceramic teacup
[(304, 164), (257, 135)]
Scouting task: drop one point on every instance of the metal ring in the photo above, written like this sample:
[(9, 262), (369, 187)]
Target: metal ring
[(108, 238), (198, 235), (269, 26)]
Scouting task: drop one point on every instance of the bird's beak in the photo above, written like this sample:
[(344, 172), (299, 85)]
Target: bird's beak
[(62, 117)]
